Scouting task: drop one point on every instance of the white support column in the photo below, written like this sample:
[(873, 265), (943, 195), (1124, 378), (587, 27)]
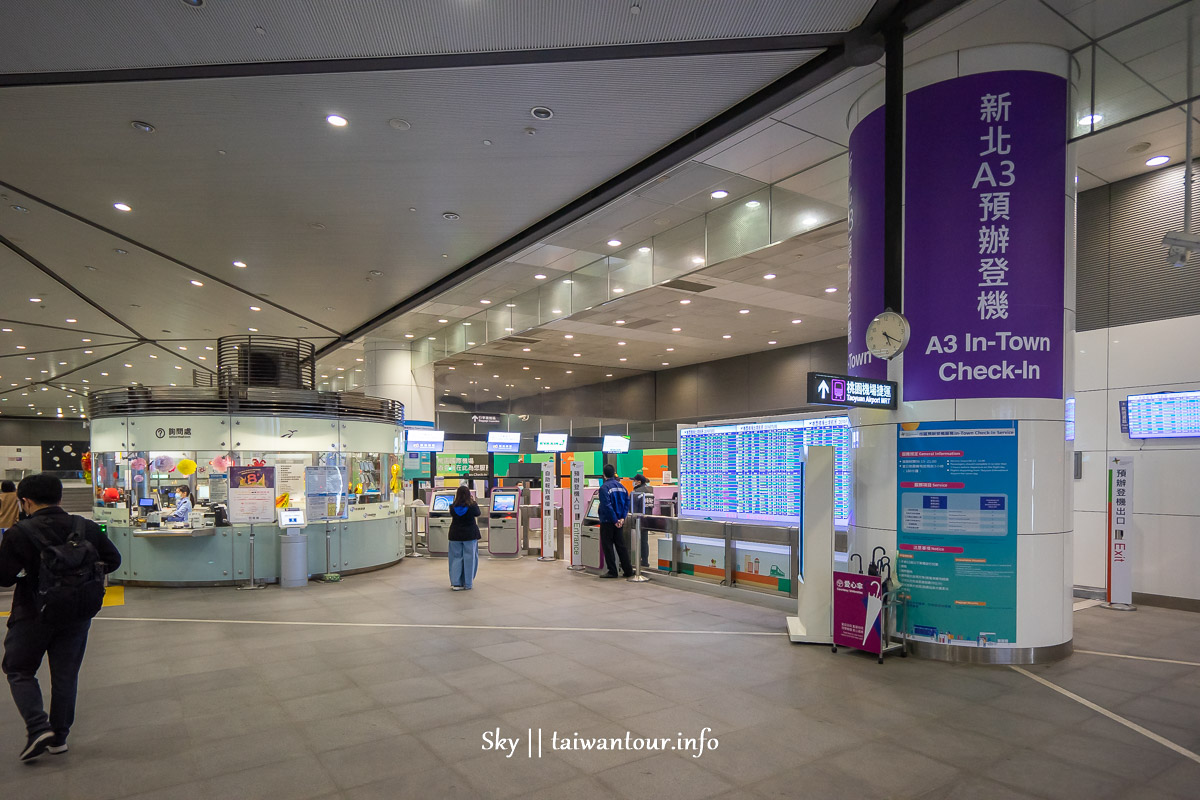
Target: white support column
[(390, 374)]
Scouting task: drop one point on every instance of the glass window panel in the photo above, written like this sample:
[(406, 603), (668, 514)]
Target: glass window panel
[(679, 251), (555, 300), (591, 285), (739, 227), (631, 269)]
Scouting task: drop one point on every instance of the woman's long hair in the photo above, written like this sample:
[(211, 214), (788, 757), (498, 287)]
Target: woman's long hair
[(463, 496)]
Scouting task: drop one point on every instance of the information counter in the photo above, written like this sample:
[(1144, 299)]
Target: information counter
[(373, 537)]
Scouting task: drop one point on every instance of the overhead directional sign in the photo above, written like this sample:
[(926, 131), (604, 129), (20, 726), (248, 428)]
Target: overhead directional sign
[(827, 389), (485, 419)]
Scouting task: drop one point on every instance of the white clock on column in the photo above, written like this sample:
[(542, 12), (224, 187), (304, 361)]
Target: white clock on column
[(887, 335)]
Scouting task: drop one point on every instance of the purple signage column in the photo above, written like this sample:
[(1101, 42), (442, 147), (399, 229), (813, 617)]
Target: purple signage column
[(984, 233), (866, 243)]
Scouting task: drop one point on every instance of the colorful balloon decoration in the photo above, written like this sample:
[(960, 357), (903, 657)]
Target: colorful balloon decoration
[(111, 495), (139, 478), (186, 466), (163, 464), (394, 484), (137, 463), (220, 463)]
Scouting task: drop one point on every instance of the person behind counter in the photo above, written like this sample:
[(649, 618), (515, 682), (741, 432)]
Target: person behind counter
[(183, 505), (463, 535)]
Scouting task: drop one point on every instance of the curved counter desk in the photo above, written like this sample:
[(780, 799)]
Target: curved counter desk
[(372, 538)]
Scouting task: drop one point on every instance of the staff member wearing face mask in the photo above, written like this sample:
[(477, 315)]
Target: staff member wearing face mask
[(183, 505)]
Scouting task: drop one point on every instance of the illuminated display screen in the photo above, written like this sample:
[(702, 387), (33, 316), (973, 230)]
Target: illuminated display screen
[(1070, 419), (593, 511), (1168, 415), (424, 441), (551, 442), (616, 444), (441, 502), (504, 502), (504, 442), (754, 472)]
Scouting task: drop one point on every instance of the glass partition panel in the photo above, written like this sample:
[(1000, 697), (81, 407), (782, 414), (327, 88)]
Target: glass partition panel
[(631, 269), (525, 310), (679, 251), (590, 288), (555, 300), (793, 213), (739, 227)]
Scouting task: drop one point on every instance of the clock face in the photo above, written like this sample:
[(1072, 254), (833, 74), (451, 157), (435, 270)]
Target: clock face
[(887, 335)]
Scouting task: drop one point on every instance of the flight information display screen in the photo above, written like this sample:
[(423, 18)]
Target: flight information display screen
[(418, 440), (1168, 415), (755, 471), (504, 442)]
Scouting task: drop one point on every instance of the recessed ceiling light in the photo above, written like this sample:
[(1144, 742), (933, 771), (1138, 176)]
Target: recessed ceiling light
[(196, 283), (466, 324), (72, 319), (556, 311), (719, 194), (524, 367), (20, 347), (252, 330), (568, 336), (570, 372), (624, 359), (1090, 119), (697, 260), (753, 204), (208, 347), (676, 330), (122, 207), (618, 290), (35, 299), (540, 112), (29, 358), (129, 365), (539, 277), (685, 302), (153, 356), (255, 308), (666, 363), (576, 355), (6, 330), (1157, 160), (670, 349), (183, 347), (621, 343), (524, 349), (770, 276), (22, 209), (619, 322), (614, 242), (120, 252), (830, 289), (451, 215), (486, 302), (240, 264), (406, 336), (744, 311), (336, 120), (443, 321), (88, 352), (772, 342), (797, 321), (726, 336)]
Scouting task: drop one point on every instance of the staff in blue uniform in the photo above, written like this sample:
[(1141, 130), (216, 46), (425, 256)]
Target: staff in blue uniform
[(463, 536), (614, 507), (183, 505)]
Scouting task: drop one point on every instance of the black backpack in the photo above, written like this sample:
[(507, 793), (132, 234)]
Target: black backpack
[(70, 575)]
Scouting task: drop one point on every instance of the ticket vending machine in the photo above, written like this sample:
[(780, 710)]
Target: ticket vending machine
[(437, 536), (590, 552), (504, 529)]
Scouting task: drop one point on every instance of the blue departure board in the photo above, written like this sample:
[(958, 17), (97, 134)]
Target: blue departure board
[(755, 472), (1167, 415)]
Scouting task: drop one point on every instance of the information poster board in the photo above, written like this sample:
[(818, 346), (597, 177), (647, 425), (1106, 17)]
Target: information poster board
[(289, 474), (470, 465), (325, 493), (251, 494), (857, 603), (548, 538), (957, 530), (218, 487), (577, 478)]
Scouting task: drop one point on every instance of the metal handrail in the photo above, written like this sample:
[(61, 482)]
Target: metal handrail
[(241, 400)]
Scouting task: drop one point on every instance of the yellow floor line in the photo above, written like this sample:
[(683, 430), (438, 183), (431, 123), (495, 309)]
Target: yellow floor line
[(113, 596)]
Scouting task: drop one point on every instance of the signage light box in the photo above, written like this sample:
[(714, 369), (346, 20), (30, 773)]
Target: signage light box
[(616, 444), (551, 442), (424, 440), (504, 442)]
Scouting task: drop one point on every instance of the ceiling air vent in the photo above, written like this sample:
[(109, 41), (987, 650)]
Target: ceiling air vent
[(687, 286)]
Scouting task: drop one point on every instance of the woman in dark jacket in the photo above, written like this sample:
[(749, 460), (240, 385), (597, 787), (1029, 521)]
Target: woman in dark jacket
[(464, 535)]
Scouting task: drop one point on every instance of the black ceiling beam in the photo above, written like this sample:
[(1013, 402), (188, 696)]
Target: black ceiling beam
[(151, 250), (50, 382), (500, 58), (62, 282), (836, 59), (63, 328)]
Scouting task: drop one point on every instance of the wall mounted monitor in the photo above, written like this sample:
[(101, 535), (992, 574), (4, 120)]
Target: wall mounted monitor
[(441, 502), (616, 444), (504, 442), (1166, 415), (593, 511), (424, 440), (504, 502), (755, 471), (551, 442)]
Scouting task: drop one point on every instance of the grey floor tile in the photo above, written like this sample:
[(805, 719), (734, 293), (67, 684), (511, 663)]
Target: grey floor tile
[(493, 776), (347, 730), (378, 760), (1033, 772), (298, 778), (662, 776), (439, 782)]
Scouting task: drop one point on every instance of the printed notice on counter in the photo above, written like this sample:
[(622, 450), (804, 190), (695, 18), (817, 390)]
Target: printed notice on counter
[(325, 493), (289, 473), (957, 530), (251, 494)]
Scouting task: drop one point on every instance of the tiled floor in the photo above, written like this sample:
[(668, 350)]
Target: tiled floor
[(377, 710)]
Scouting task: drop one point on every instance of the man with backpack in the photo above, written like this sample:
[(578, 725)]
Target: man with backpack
[(58, 562)]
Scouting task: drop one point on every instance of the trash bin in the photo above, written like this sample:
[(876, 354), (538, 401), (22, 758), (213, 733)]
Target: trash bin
[(293, 560)]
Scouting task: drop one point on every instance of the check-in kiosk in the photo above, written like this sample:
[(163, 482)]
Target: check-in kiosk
[(504, 529), (437, 537), (590, 552)]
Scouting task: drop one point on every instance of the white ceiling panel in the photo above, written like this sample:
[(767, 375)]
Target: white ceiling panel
[(59, 35)]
